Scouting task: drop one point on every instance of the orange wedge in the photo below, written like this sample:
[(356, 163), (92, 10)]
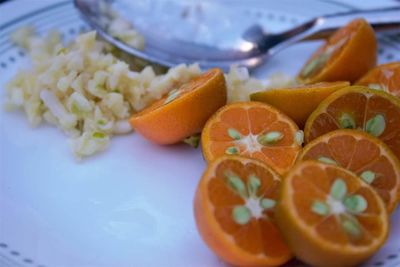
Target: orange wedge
[(363, 154), (347, 55), (234, 212), (361, 108), (254, 130), (384, 77), (329, 216), (300, 101), (184, 111)]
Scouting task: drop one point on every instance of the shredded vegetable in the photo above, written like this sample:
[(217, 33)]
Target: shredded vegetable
[(83, 89)]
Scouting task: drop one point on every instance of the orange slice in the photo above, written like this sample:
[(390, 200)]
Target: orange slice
[(347, 55), (329, 216), (363, 154), (300, 101), (184, 111), (254, 130), (234, 212), (384, 77), (357, 107)]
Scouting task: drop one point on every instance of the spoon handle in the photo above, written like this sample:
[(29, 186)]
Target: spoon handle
[(380, 19)]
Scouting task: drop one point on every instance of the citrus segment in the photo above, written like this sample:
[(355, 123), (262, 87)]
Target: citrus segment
[(254, 130), (384, 77), (363, 154), (288, 99), (360, 108), (234, 211), (184, 111), (348, 54), (329, 217)]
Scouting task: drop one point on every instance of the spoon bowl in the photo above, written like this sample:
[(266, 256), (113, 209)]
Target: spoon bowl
[(252, 48)]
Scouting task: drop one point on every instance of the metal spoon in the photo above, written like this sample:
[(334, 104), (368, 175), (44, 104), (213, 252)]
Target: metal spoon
[(255, 47)]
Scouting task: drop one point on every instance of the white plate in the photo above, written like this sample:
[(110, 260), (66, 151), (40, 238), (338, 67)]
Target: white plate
[(130, 206)]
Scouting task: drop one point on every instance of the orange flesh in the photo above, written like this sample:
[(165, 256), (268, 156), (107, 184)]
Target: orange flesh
[(358, 152), (258, 235), (347, 55), (313, 183), (362, 108), (254, 119), (386, 76), (339, 38)]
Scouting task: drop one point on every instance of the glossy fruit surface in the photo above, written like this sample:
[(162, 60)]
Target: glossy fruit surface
[(184, 111)]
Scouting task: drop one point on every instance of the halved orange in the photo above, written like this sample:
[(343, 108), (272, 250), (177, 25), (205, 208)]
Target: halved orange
[(347, 55), (255, 130), (363, 154), (329, 216), (184, 111), (384, 77), (234, 212), (300, 101), (361, 108)]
